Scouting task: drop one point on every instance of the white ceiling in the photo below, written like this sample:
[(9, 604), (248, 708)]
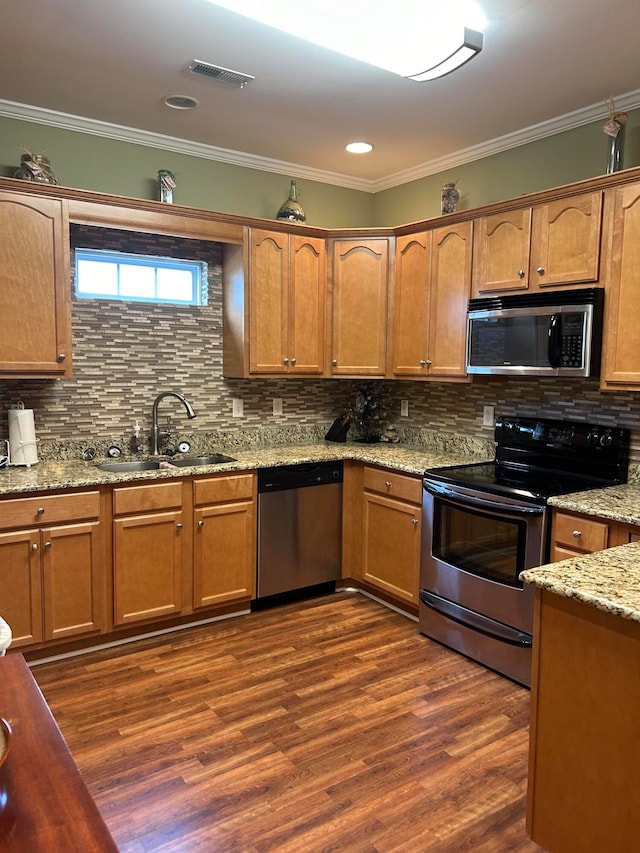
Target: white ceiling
[(546, 65)]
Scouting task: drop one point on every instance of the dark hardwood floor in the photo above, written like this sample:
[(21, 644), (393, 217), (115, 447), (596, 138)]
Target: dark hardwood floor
[(325, 725)]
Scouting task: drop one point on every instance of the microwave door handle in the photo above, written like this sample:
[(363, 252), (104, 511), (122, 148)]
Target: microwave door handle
[(554, 351), (442, 491)]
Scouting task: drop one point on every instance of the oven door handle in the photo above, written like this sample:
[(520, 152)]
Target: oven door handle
[(475, 621), (440, 490)]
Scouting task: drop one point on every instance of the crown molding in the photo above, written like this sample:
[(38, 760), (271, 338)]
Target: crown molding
[(121, 133)]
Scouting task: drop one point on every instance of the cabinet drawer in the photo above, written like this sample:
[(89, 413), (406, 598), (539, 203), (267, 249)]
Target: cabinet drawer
[(49, 509), (224, 488), (142, 498), (582, 534), (394, 485)]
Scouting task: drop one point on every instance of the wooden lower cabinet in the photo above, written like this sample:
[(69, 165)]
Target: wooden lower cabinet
[(147, 552), (574, 534), (52, 576), (391, 533), (224, 540)]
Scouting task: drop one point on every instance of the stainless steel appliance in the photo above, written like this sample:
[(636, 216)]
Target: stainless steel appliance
[(485, 523), (556, 333), (299, 526)]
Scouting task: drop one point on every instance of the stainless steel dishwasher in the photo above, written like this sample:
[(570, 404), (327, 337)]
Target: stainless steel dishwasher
[(299, 526)]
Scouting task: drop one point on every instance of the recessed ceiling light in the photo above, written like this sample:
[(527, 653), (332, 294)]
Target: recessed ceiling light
[(359, 147), (181, 102)]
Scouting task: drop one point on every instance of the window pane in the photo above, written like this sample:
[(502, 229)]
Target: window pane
[(97, 277), (175, 285), (137, 281)]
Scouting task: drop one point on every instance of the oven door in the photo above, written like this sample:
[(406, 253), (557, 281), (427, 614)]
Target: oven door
[(474, 547)]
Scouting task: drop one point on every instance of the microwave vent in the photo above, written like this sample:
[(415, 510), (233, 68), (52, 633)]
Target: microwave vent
[(222, 75)]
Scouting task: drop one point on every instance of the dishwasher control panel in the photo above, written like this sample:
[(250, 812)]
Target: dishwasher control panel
[(299, 476)]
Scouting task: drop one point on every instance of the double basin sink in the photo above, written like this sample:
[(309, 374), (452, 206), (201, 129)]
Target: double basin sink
[(172, 462)]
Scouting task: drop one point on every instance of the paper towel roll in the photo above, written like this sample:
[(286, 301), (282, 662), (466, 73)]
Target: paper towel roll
[(22, 437)]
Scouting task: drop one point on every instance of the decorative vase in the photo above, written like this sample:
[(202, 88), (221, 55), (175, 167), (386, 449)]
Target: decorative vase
[(291, 210), (166, 186), (35, 167), (615, 154), (449, 198)]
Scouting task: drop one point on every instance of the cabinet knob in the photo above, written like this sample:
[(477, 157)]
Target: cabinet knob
[(294, 361), (40, 510), (285, 361), (520, 273), (201, 523), (34, 547), (422, 362), (429, 361), (47, 544), (576, 533), (335, 362), (414, 521), (540, 270), (179, 526), (387, 483), (62, 356)]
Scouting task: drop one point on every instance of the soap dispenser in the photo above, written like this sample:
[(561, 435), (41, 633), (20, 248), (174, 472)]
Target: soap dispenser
[(135, 444)]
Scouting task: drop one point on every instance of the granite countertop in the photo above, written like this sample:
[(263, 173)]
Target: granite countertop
[(608, 580), (72, 473), (617, 503)]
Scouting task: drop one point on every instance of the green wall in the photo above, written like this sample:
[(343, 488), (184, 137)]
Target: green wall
[(574, 155), (92, 162)]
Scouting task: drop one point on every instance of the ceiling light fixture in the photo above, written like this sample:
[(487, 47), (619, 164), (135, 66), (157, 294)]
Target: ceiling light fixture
[(359, 147), (181, 102), (419, 39)]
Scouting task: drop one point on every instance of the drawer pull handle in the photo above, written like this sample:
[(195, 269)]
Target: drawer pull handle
[(40, 510), (387, 483), (576, 533)]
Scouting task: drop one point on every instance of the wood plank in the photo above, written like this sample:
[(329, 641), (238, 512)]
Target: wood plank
[(329, 724)]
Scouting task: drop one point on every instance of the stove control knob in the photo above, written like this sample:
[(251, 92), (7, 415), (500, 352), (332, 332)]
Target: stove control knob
[(594, 437), (607, 439)]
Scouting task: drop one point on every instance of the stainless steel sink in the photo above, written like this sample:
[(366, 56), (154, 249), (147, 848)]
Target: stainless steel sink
[(154, 464), (133, 465), (212, 459)]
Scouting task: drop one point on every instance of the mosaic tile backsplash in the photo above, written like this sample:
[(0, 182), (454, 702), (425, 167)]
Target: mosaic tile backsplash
[(127, 353)]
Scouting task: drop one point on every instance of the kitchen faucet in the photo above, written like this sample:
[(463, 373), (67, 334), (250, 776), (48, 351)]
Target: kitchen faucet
[(155, 430)]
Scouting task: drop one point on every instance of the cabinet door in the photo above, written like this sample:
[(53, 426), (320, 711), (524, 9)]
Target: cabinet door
[(565, 241), (73, 597), (411, 305), (147, 554), (35, 287), (224, 553), (450, 285), (268, 302), (360, 284), (307, 286), (501, 251), (20, 582), (392, 546), (622, 330)]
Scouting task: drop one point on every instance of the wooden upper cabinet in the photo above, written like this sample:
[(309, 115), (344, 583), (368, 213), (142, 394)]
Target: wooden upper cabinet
[(359, 307), (552, 244), (431, 294), (621, 360), (35, 287), (287, 283)]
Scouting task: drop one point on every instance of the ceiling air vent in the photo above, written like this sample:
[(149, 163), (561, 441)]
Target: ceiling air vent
[(223, 75)]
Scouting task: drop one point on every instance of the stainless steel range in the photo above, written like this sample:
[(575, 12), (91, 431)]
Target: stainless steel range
[(485, 523)]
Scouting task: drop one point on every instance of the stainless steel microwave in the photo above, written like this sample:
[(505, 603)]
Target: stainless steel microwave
[(558, 333)]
